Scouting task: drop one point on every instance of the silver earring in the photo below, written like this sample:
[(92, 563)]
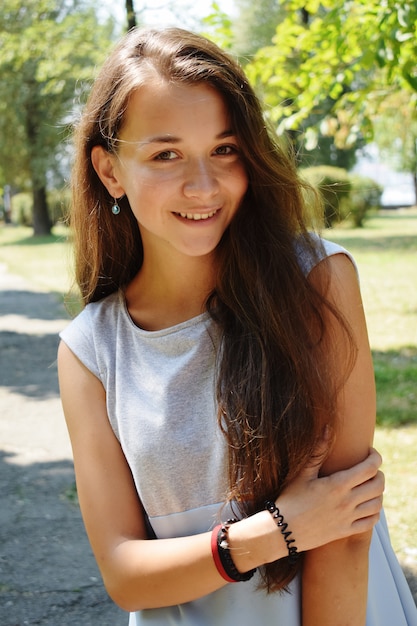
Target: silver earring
[(115, 208)]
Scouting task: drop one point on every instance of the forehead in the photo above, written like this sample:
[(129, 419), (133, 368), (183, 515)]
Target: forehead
[(165, 107)]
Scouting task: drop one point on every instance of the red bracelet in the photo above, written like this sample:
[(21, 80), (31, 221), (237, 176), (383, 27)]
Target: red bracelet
[(216, 556)]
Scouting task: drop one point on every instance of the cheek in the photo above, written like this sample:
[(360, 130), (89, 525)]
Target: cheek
[(242, 183), (144, 181)]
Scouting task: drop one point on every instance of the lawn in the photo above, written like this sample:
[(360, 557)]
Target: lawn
[(44, 261), (386, 253)]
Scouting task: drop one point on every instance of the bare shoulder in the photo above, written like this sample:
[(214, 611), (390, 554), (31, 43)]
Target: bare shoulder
[(82, 394), (336, 272)]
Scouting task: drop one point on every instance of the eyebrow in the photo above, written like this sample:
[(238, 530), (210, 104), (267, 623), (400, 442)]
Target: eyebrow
[(172, 139)]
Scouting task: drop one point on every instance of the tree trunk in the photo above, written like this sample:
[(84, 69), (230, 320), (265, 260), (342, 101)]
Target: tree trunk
[(41, 221), (131, 16), (33, 123)]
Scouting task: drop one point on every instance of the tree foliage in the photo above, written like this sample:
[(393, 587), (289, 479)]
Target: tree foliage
[(49, 48), (255, 25), (396, 133), (218, 26), (339, 64)]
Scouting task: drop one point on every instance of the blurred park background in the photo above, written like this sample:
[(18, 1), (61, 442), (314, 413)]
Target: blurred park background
[(338, 79), (339, 82)]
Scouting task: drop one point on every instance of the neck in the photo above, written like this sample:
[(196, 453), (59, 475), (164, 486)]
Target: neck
[(167, 293)]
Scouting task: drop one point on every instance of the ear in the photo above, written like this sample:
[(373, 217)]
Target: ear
[(103, 163)]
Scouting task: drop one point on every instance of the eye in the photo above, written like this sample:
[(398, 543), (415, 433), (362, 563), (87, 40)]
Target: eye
[(166, 155), (226, 150)]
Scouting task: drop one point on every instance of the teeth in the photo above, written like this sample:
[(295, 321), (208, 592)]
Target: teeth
[(198, 216)]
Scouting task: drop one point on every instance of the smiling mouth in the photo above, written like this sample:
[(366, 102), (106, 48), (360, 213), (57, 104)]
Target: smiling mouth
[(198, 216)]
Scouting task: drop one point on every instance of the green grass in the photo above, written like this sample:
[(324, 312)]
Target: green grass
[(43, 261), (396, 382), (398, 446), (386, 254)]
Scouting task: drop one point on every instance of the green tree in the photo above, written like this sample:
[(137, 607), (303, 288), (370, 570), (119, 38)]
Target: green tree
[(255, 25), (254, 28), (218, 27), (339, 64), (49, 49), (130, 13), (396, 133)]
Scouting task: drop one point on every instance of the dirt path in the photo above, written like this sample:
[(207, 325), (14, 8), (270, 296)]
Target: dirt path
[(47, 572)]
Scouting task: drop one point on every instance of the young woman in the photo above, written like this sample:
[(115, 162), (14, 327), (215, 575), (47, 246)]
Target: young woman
[(221, 362)]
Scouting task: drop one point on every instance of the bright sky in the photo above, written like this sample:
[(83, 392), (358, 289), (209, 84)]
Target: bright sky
[(158, 12)]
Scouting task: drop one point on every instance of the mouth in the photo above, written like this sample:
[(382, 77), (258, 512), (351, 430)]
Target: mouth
[(196, 217)]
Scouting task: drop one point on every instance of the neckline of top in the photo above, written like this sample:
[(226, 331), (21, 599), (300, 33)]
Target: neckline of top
[(193, 321)]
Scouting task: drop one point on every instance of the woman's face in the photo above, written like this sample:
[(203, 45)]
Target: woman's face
[(179, 165)]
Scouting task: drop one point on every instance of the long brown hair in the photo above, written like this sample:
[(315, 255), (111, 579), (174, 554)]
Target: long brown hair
[(276, 389)]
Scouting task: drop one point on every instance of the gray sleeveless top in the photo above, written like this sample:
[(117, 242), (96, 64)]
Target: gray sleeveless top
[(160, 394)]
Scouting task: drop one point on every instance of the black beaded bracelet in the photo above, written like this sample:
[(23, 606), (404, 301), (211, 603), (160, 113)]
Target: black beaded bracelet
[(225, 556), (277, 515)]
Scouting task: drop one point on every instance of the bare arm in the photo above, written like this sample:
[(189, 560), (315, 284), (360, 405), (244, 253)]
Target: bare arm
[(335, 575), (139, 573)]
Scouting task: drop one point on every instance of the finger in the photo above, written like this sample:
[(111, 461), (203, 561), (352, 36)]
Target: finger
[(368, 508), (371, 464), (373, 488), (364, 524), (375, 457), (362, 472), (368, 492)]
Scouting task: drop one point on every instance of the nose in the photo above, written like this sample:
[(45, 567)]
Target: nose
[(200, 180)]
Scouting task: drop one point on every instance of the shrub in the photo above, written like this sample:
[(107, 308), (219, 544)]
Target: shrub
[(344, 195), (58, 204), (334, 185), (22, 205), (365, 195)]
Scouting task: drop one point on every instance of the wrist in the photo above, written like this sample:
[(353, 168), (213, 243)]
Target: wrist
[(222, 555), (282, 525), (255, 541)]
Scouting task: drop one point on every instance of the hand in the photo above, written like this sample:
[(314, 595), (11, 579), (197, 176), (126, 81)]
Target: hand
[(321, 510)]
